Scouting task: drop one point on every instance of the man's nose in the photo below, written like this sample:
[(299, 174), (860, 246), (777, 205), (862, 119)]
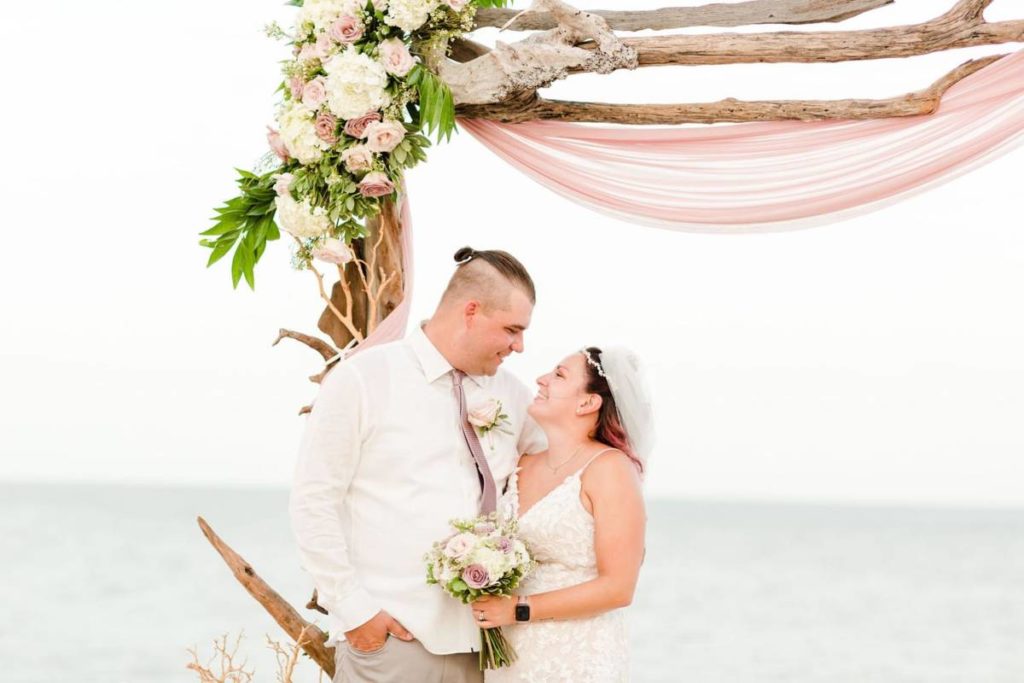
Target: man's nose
[(519, 343)]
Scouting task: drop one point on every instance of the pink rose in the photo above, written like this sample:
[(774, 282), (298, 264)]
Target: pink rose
[(357, 127), (315, 92), (346, 30), (376, 184), (485, 414), (384, 136), (324, 46), (476, 576), (504, 545), (283, 186), (456, 5), (296, 84), (308, 53), (357, 159), (333, 251), (326, 126), (277, 144), (396, 57)]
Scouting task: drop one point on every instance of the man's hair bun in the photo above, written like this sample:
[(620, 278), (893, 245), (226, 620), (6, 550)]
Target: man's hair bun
[(465, 254)]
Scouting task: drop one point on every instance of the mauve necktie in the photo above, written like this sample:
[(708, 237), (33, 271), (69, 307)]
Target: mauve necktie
[(490, 499)]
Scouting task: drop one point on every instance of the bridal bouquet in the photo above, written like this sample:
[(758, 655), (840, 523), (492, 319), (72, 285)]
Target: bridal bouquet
[(482, 557), (356, 98)]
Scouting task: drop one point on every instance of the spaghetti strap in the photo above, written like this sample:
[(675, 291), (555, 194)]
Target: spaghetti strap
[(580, 471)]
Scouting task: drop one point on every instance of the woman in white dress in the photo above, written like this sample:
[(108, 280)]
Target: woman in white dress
[(581, 514)]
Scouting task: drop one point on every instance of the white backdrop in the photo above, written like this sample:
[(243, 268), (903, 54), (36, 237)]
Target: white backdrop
[(877, 359)]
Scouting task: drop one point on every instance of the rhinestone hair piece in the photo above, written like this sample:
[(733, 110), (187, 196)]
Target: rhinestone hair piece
[(593, 363)]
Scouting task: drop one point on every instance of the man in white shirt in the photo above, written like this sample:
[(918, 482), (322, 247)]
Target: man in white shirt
[(388, 458)]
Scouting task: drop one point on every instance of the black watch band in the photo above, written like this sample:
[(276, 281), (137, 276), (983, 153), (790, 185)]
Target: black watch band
[(522, 609)]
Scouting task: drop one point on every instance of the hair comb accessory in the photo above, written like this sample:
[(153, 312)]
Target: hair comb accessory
[(593, 363)]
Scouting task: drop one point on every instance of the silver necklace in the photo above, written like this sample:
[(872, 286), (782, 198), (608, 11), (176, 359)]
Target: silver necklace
[(554, 470)]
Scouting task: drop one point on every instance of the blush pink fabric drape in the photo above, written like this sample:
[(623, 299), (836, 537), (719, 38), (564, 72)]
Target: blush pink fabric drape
[(752, 176), (765, 176)]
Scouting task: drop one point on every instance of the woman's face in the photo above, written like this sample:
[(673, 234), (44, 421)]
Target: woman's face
[(562, 391)]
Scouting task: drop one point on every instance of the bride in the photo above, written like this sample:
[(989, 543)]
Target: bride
[(581, 514)]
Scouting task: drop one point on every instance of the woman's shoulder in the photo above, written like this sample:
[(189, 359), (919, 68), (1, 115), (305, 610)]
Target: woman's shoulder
[(610, 467)]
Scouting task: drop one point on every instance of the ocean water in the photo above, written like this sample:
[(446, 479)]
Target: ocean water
[(114, 583)]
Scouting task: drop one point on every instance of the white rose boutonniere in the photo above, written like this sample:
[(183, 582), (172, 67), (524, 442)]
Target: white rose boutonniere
[(488, 417)]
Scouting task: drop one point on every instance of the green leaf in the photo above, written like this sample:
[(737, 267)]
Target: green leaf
[(237, 263), (219, 250)]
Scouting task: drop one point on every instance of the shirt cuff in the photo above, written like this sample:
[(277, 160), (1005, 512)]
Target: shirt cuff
[(355, 609)]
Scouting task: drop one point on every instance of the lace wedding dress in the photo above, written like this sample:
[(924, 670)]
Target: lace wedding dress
[(559, 533)]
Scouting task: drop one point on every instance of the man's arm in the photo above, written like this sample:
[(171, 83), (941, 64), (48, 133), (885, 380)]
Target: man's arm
[(328, 457)]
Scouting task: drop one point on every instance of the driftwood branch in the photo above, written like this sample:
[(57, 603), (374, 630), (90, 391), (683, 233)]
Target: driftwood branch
[(297, 628), (749, 13), (730, 110), (962, 26), (319, 345), (502, 84)]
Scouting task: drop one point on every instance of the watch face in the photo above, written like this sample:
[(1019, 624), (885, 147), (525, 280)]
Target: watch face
[(522, 612)]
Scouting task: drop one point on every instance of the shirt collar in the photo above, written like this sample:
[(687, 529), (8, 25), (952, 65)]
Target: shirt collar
[(432, 362)]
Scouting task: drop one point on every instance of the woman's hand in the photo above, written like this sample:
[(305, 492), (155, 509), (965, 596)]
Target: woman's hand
[(490, 611)]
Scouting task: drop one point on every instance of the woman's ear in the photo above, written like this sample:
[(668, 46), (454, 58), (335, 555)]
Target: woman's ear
[(592, 404)]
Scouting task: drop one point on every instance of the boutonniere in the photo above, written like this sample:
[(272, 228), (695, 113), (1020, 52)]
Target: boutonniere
[(487, 418)]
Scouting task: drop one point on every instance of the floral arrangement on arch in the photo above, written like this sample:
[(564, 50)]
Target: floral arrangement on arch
[(357, 107)]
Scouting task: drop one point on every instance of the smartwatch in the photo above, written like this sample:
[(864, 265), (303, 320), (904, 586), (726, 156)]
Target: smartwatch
[(522, 609)]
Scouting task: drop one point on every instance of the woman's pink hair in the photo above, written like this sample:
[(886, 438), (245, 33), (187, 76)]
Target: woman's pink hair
[(609, 430)]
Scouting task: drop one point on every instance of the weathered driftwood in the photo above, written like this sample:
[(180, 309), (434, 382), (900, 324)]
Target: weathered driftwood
[(749, 13), (502, 84), (312, 638), (369, 287), (914, 104)]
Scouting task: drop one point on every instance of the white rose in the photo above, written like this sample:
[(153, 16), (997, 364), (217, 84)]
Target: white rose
[(298, 132), (384, 136), (357, 159), (355, 84), (284, 184), (460, 546), (486, 414), (409, 15), (396, 57), (333, 251), (300, 220)]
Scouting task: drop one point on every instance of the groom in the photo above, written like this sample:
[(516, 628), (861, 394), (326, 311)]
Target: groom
[(387, 459)]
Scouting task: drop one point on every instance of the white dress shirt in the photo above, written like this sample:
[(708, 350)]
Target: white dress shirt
[(382, 468)]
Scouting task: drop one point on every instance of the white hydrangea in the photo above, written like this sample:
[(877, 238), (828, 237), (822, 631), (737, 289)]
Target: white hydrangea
[(494, 561), (298, 132), (323, 13), (355, 84), (299, 219), (409, 15)]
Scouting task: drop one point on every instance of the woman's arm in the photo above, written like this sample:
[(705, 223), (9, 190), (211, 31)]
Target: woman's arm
[(612, 487)]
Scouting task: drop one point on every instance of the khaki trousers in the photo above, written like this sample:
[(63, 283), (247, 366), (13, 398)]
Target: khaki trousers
[(399, 661)]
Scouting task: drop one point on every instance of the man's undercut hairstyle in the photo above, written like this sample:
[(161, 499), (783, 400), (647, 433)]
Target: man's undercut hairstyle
[(486, 275)]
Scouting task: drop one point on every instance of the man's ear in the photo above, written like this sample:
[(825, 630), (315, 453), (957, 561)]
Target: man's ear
[(470, 310)]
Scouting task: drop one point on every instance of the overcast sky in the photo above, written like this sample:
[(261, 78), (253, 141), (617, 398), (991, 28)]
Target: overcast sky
[(872, 360)]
